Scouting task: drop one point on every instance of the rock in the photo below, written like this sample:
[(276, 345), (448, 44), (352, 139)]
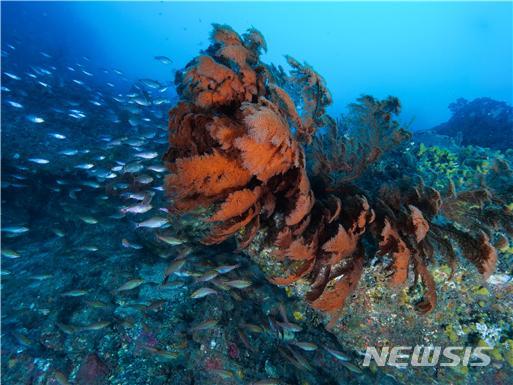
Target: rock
[(92, 371)]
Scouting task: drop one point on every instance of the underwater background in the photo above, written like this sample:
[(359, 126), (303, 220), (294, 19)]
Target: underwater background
[(111, 275)]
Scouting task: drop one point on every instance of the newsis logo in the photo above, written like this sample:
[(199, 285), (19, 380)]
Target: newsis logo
[(403, 356)]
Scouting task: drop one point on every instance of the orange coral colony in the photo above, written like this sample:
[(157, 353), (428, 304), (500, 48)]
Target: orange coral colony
[(237, 149)]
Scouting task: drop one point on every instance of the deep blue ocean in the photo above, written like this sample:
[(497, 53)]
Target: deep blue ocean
[(106, 277)]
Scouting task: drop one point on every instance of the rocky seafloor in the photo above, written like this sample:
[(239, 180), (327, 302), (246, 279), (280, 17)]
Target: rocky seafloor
[(65, 319)]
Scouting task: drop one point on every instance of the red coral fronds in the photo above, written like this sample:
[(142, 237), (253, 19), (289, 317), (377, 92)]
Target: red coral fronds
[(342, 245), (255, 41), (480, 252), (267, 149), (222, 232), (340, 287), (298, 250), (208, 175), (229, 142), (315, 96), (210, 84), (392, 243), (287, 105), (429, 301), (337, 211), (356, 141), (487, 256), (420, 224), (236, 204), (224, 131), (303, 202), (304, 269), (250, 233)]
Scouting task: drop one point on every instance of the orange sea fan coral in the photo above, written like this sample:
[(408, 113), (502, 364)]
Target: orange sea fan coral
[(315, 98), (267, 149), (236, 204), (237, 149), (228, 144), (299, 250), (429, 301), (209, 175), (340, 287), (420, 224), (392, 243), (303, 201), (211, 83), (356, 141), (342, 245)]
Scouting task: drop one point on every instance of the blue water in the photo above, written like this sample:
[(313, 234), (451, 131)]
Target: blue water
[(427, 54)]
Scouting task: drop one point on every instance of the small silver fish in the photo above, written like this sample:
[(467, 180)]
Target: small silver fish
[(23, 339), (58, 232), (41, 277), (142, 102), (8, 253), (14, 104), (144, 179), (335, 353), (252, 327), (96, 326), (352, 367), (203, 292), (238, 283), (39, 160), (137, 209), (153, 223), (74, 293), (170, 240), (499, 279), (162, 354), (175, 266), (208, 276), (147, 155), (85, 166), (97, 304), (12, 76), (163, 59), (308, 346), (151, 83), (88, 220), (57, 136), (68, 152), (15, 229), (205, 325), (224, 374), (290, 326), (157, 168), (66, 329), (226, 268), (35, 119), (88, 248), (130, 285), (90, 184)]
